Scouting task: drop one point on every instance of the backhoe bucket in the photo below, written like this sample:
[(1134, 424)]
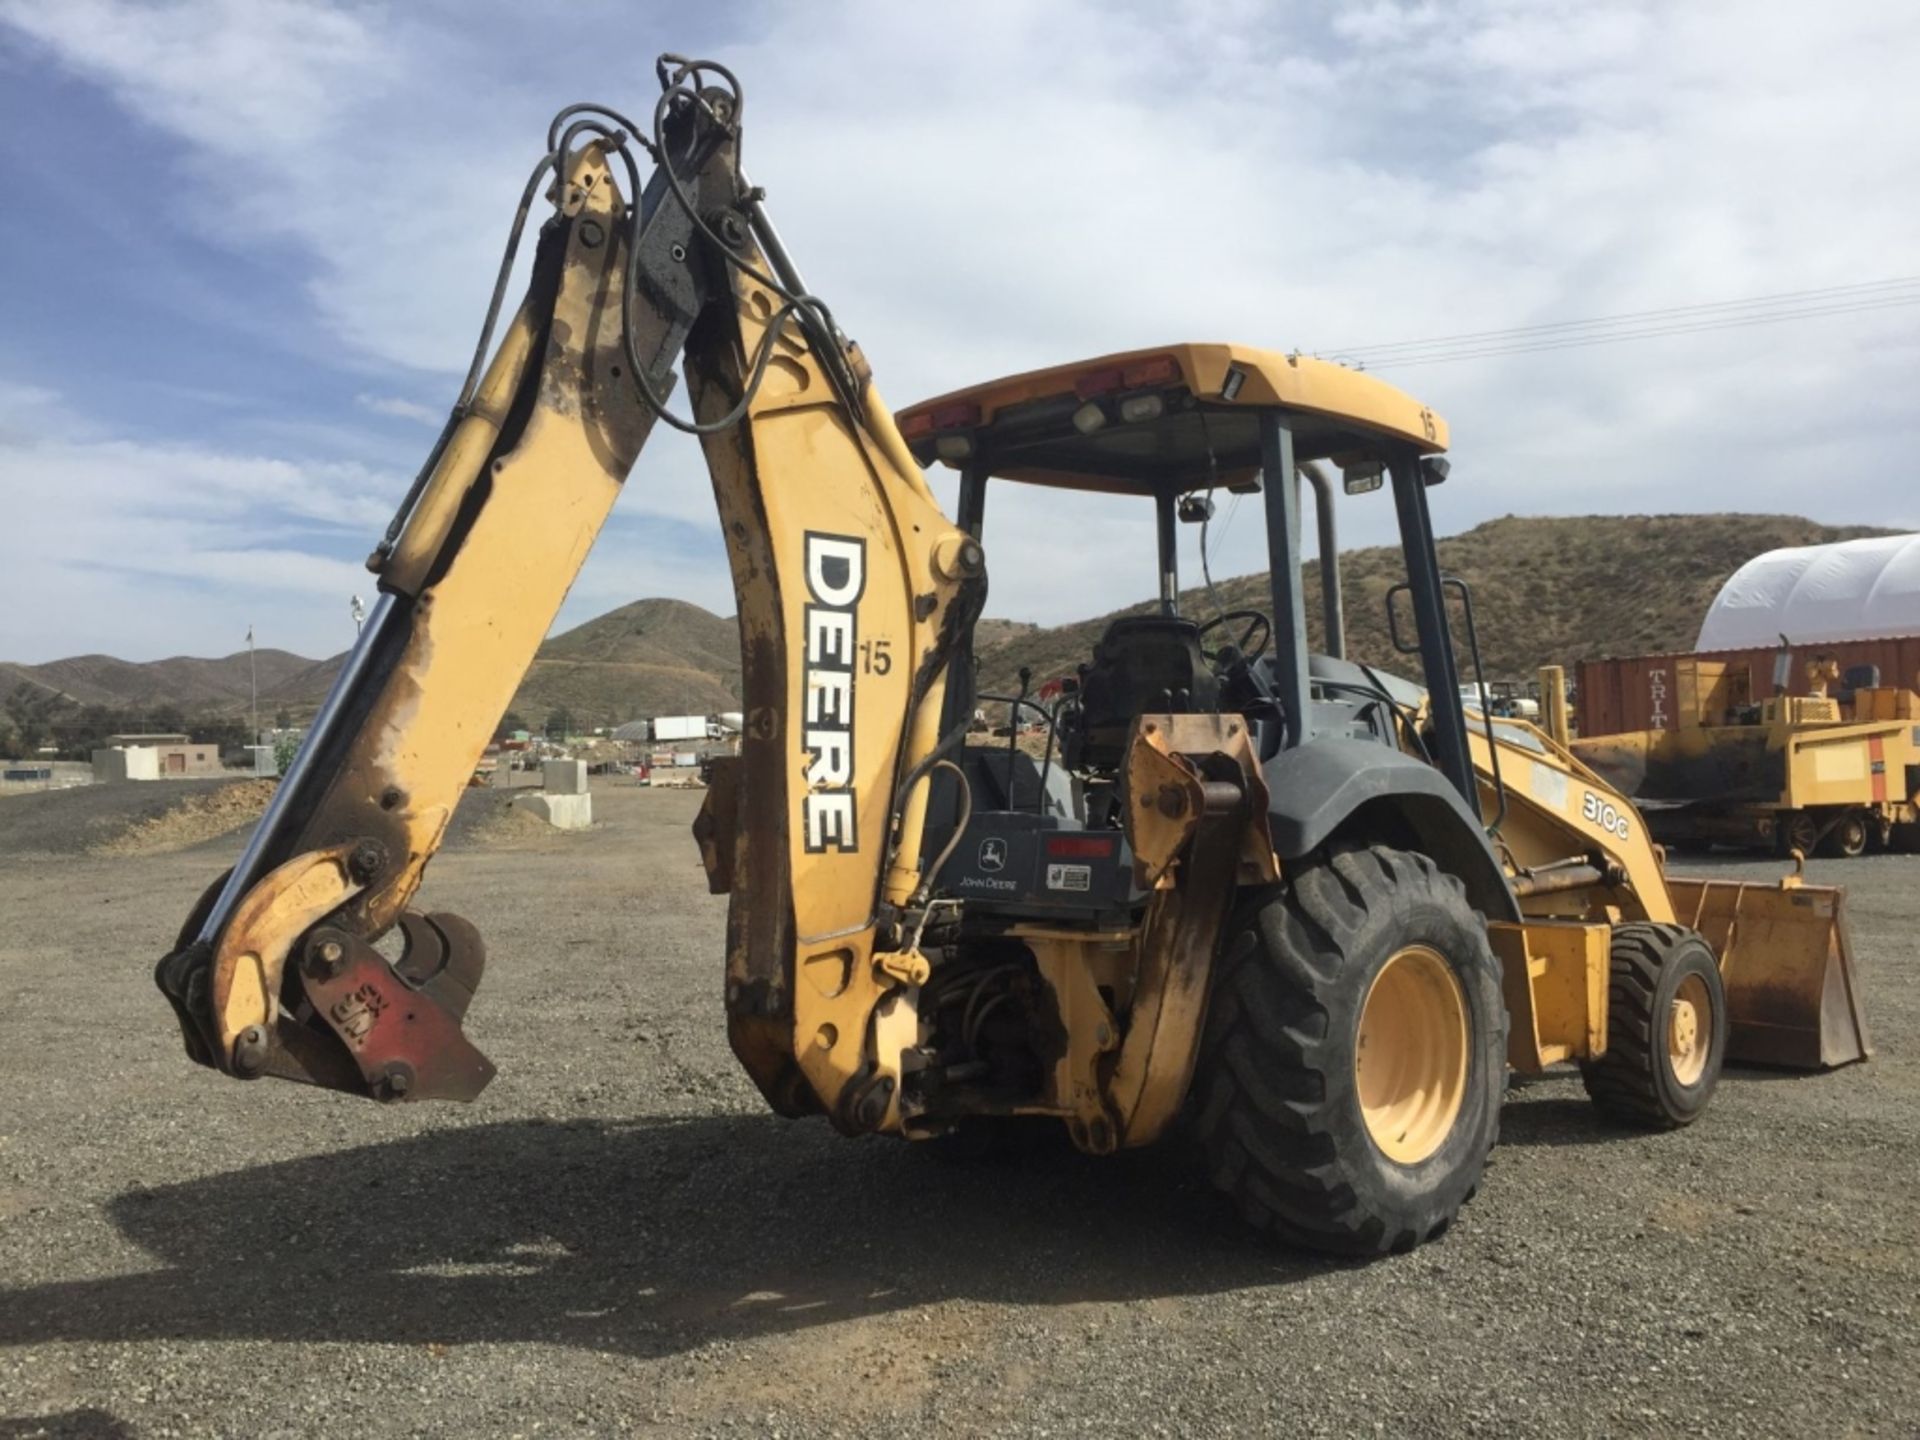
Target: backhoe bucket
[(1787, 958)]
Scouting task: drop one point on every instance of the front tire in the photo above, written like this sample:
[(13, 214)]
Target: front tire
[(1666, 1028), (1349, 1083)]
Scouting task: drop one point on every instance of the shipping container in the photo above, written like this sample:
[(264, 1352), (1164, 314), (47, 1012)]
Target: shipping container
[(1621, 694)]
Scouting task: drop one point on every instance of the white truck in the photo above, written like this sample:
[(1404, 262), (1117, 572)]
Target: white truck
[(680, 727)]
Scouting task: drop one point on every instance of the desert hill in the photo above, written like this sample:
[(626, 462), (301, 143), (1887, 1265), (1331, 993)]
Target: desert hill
[(1545, 590), (653, 657), (183, 681)]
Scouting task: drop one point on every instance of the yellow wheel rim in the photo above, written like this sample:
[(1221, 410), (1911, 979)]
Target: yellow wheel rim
[(1689, 1030), (1410, 1057)]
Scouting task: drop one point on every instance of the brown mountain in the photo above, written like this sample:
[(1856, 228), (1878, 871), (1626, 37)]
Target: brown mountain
[(1545, 590), (185, 681), (1549, 590), (653, 657)]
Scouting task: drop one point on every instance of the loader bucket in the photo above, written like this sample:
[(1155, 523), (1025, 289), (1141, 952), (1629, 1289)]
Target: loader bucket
[(1786, 956)]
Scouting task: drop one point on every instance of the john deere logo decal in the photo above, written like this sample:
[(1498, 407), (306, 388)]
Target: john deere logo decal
[(836, 575)]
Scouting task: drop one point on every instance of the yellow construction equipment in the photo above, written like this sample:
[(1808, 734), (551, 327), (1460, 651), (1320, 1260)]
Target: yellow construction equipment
[(1285, 897), (1834, 773), (1784, 949)]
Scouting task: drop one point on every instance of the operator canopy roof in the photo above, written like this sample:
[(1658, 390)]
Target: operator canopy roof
[(1814, 594), (1173, 418)]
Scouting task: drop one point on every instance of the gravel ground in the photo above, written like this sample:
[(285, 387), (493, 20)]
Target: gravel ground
[(618, 1239)]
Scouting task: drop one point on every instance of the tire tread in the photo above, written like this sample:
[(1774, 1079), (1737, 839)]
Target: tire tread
[(1261, 1106), (1622, 1081)]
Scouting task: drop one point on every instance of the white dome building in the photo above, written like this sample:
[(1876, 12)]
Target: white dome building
[(1819, 594)]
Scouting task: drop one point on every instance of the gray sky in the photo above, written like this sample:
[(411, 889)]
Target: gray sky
[(248, 246)]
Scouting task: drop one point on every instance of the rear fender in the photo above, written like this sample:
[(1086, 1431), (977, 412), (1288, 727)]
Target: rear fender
[(1335, 788)]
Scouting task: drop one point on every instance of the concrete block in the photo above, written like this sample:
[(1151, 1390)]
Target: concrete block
[(127, 762), (564, 777), (563, 812)]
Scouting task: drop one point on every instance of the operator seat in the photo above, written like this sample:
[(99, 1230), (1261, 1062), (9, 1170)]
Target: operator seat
[(1142, 664)]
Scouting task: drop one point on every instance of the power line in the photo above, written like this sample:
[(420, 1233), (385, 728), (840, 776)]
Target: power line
[(1785, 295), (1582, 342), (1639, 325)]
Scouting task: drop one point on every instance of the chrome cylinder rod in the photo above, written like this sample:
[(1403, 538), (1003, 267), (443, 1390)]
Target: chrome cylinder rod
[(288, 798)]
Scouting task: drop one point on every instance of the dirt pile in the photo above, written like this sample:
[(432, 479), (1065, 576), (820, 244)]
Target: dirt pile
[(488, 819), (98, 819), (192, 819)]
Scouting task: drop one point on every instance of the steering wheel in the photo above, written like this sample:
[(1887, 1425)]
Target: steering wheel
[(1251, 645)]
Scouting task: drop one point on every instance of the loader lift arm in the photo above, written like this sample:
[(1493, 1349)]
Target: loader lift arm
[(852, 590)]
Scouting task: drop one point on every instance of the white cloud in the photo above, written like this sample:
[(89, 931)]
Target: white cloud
[(1044, 181), (233, 77), (143, 550), (399, 409), (28, 410)]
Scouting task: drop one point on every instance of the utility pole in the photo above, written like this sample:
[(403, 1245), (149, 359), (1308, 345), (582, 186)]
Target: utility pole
[(253, 683)]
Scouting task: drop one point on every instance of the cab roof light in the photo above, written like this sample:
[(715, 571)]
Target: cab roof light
[(1098, 382), (1150, 406), (1160, 370), (1156, 370), (954, 447), (1090, 417), (956, 415)]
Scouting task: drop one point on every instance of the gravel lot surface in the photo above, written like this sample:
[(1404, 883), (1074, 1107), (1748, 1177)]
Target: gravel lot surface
[(618, 1239)]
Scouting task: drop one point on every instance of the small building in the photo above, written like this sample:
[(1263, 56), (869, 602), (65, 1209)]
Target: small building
[(174, 756)]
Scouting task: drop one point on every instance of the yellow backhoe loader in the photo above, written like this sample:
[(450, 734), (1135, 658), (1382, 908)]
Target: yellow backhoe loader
[(1286, 897)]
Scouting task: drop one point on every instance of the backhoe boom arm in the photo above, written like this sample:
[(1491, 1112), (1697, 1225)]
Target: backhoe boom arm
[(852, 588)]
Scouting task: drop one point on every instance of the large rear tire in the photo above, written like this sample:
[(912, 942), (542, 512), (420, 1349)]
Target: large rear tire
[(1666, 1028), (1349, 1083)]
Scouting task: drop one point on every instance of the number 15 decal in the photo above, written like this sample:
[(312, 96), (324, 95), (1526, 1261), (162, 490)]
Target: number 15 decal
[(1604, 814)]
